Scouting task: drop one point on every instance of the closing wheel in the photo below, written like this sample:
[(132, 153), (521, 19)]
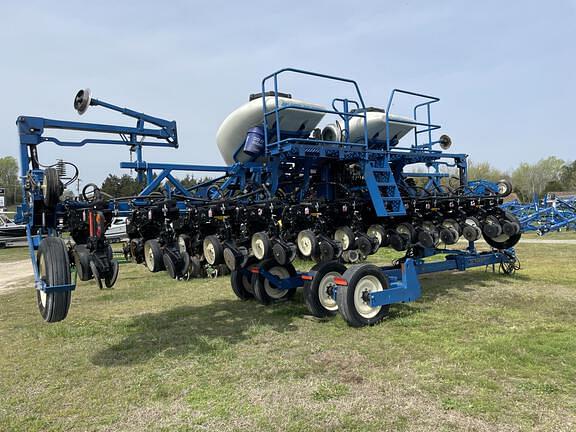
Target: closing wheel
[(307, 243), (153, 256), (96, 274), (318, 293), (354, 298), (378, 232), (170, 265), (54, 268), (111, 278), (241, 281), (195, 269), (184, 242), (185, 263), (213, 250), (52, 187), (346, 237), (504, 241), (264, 291), (82, 262)]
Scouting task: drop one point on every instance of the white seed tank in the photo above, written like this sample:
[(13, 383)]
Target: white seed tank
[(232, 132), (376, 125)]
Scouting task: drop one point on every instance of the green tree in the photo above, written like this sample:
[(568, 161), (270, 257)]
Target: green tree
[(485, 171), (530, 180), (9, 178)]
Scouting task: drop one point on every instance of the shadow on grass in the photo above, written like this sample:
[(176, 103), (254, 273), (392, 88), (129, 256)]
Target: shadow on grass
[(205, 330)]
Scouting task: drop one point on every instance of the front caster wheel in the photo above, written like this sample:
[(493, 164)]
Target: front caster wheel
[(265, 291), (354, 298), (318, 293), (54, 268)]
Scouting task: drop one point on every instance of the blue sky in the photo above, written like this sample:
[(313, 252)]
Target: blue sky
[(505, 71)]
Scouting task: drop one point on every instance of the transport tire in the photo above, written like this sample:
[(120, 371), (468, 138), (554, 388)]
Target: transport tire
[(264, 291), (52, 187), (241, 281), (307, 243), (346, 237), (353, 298), (213, 250), (317, 292), (111, 278), (261, 245), (54, 269), (153, 256)]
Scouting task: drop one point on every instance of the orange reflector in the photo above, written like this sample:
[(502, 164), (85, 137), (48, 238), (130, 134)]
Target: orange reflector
[(340, 281), (255, 270), (307, 277)]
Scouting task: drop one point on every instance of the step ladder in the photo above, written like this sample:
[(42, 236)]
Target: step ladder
[(383, 189)]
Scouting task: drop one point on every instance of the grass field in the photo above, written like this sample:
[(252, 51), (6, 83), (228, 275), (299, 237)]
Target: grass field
[(479, 351)]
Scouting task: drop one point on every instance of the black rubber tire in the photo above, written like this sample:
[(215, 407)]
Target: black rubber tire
[(266, 244), (504, 188), (184, 242), (195, 269), (52, 187), (54, 267), (345, 295), (218, 257), (259, 284), (185, 263), (312, 288), (313, 243), (96, 274), (111, 278), (82, 262), (169, 265), (508, 243), (347, 231), (153, 256), (241, 281)]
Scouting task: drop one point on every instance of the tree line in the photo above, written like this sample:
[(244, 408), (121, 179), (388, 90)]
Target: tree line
[(547, 175)]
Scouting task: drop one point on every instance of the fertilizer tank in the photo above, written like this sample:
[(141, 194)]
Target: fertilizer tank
[(294, 118)]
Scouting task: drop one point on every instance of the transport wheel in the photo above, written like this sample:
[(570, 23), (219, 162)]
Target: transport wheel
[(170, 265), (505, 241), (354, 298), (261, 245), (213, 250), (504, 188), (52, 187), (111, 278), (307, 243), (82, 262), (241, 281), (54, 268), (96, 274), (264, 291), (346, 237), (318, 292), (378, 232), (153, 256)]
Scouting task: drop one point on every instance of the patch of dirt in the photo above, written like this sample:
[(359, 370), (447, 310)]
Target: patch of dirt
[(13, 275)]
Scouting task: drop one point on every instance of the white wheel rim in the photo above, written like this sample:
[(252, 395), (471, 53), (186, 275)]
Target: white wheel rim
[(209, 252), (343, 238), (149, 256), (502, 188), (258, 248), (43, 296), (181, 244), (305, 244), (366, 285), (326, 300), (375, 232), (275, 293)]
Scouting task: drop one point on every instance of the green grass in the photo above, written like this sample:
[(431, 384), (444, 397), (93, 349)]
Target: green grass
[(11, 254), (479, 351)]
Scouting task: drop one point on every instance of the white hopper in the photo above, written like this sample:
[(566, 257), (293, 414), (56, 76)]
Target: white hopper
[(232, 132)]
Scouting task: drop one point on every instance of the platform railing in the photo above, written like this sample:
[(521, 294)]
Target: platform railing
[(346, 114)]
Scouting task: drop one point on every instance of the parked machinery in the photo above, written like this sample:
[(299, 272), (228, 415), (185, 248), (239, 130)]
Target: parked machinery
[(331, 183)]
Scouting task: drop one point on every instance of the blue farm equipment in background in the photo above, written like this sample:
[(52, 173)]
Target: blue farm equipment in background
[(327, 182), (551, 214)]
